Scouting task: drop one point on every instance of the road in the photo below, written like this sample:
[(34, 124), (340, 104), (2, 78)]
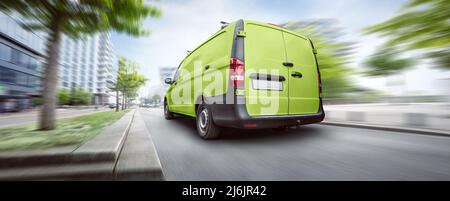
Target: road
[(11, 119), (312, 152), (430, 116)]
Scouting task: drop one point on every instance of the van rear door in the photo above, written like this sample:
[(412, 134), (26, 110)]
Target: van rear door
[(266, 79), (303, 77)]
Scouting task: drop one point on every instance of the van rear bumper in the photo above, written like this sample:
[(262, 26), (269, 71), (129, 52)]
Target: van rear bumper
[(236, 116)]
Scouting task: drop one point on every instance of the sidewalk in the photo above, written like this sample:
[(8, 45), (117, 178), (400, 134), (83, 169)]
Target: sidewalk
[(413, 117), (122, 151)]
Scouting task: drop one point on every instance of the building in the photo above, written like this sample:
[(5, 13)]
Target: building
[(166, 72), (22, 53), (89, 63)]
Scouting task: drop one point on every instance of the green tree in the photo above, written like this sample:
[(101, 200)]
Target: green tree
[(75, 18), (80, 97), (117, 86), (63, 97), (132, 82), (421, 25), (128, 81), (386, 61), (332, 58)]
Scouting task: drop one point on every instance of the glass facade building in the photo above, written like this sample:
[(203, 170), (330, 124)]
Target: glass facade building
[(21, 57), (88, 62)]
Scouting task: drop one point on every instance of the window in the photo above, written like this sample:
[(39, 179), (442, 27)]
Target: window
[(5, 52), (21, 59), (33, 81), (24, 60), (39, 67), (21, 78), (15, 56), (33, 65), (7, 75), (175, 77)]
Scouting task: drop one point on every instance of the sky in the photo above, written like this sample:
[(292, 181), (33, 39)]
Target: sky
[(186, 24)]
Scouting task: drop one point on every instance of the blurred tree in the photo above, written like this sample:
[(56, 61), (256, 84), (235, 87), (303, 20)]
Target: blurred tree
[(422, 25), (80, 97), (386, 61), (118, 85), (332, 58), (156, 98), (63, 97), (74, 97), (133, 81), (75, 18), (128, 82)]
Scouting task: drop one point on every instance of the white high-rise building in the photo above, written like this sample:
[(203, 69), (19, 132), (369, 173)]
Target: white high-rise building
[(89, 63)]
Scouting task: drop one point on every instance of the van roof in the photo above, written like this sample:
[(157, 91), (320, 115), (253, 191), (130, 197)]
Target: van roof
[(231, 25), (275, 27)]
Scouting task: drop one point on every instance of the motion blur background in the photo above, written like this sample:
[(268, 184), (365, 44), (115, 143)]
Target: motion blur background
[(366, 48), (70, 85), (382, 62), (371, 52)]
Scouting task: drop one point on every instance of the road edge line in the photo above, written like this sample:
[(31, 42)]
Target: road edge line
[(389, 128)]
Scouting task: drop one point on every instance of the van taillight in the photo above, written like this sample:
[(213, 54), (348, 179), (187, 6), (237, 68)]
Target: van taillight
[(237, 72)]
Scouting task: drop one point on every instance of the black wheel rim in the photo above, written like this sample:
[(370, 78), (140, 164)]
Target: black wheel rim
[(203, 119)]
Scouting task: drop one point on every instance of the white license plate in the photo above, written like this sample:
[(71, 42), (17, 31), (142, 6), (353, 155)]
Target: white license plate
[(273, 85)]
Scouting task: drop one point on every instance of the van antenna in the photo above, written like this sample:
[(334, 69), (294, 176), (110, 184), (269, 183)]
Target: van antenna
[(224, 24)]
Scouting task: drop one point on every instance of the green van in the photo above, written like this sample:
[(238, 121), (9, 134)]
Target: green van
[(247, 75)]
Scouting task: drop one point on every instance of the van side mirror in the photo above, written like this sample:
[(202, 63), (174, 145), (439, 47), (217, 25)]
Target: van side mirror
[(168, 80)]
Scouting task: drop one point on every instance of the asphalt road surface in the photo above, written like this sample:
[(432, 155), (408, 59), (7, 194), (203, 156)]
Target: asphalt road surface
[(312, 152)]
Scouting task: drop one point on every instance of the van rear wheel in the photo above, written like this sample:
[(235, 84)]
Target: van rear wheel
[(167, 114), (205, 125)]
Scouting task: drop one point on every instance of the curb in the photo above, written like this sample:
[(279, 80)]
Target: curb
[(94, 150), (138, 159), (390, 128), (100, 147)]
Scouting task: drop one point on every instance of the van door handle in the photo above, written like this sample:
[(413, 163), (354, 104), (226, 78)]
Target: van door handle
[(288, 64), (207, 67), (297, 74)]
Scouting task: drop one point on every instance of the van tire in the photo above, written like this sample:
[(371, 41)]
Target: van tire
[(167, 114), (205, 124)]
